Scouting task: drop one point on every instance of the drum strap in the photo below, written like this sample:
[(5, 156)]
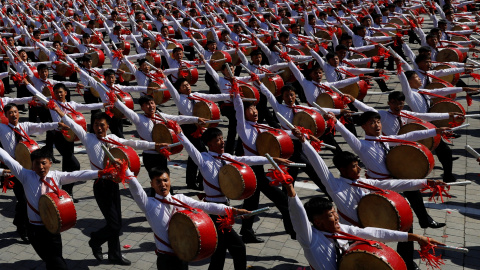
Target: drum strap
[(112, 141), (95, 72), (36, 212), (250, 149), (341, 70), (385, 176), (348, 64), (22, 133), (323, 87), (436, 78), (433, 95), (55, 187), (212, 186), (351, 221)]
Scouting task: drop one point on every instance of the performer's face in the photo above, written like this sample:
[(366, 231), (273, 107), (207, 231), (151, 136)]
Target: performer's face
[(328, 221), (341, 54), (334, 61), (216, 145), (257, 59), (43, 73), (110, 79), (185, 88), (100, 127), (396, 106), (12, 116), (316, 75), (352, 171), (251, 113), (87, 64), (415, 82), (373, 127), (425, 65), (289, 97), (161, 184), (41, 166), (149, 107), (60, 94)]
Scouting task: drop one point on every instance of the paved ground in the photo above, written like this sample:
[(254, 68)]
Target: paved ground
[(461, 212)]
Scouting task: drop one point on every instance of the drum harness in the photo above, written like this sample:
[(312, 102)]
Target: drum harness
[(223, 160), (44, 185), (258, 127)]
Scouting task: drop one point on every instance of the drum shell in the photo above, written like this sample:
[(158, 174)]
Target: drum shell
[(98, 58), (250, 91), (155, 59), (218, 55), (23, 151), (78, 118), (126, 77), (330, 100), (237, 181), (311, 120), (453, 79), (125, 153), (358, 90), (450, 54), (379, 256), (65, 211), (47, 91), (3, 118), (407, 161), (64, 70), (201, 38), (372, 214), (125, 46), (200, 233), (207, 110), (159, 97), (125, 98), (162, 134), (446, 106), (274, 84), (275, 142), (93, 91), (192, 76), (431, 143)]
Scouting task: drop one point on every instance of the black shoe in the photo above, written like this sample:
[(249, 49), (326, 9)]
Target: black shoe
[(387, 90), (96, 250), (193, 186), (414, 266), (127, 122), (23, 236), (56, 161), (251, 239), (456, 135), (434, 225), (449, 178), (119, 261), (74, 200), (455, 158)]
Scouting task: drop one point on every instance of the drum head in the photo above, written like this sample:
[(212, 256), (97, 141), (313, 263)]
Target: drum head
[(232, 183), (447, 55), (271, 85), (443, 107), (247, 92), (201, 109), (428, 142), (374, 210), (22, 155), (396, 21), (49, 214), (408, 162), (161, 134), (184, 237), (268, 143), (304, 119), (286, 75), (324, 100), (449, 78), (42, 56), (323, 34), (359, 260), (157, 95), (46, 91), (435, 85), (125, 76), (352, 89), (171, 45), (458, 38)]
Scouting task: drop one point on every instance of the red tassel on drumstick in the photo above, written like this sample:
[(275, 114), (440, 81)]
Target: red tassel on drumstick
[(279, 174), (429, 258), (6, 182)]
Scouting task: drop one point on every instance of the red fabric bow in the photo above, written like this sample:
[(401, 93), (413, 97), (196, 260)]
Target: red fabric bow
[(317, 145), (324, 45), (117, 171), (159, 39), (346, 100), (51, 104), (307, 132), (469, 100), (7, 183), (279, 177), (117, 54), (399, 67), (285, 56), (429, 258), (235, 89), (254, 77), (165, 153), (33, 103), (376, 59), (17, 78), (198, 133), (437, 191), (96, 39), (173, 126), (331, 126), (475, 76), (385, 77), (182, 73), (454, 124), (226, 222), (188, 34)]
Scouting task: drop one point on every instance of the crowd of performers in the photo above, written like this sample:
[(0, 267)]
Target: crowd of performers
[(288, 76)]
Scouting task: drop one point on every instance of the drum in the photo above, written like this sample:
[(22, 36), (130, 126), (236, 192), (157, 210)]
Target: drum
[(287, 74), (172, 45), (287, 20), (410, 161), (372, 52), (63, 70), (459, 38), (159, 96), (125, 153), (274, 84), (98, 58), (155, 59), (171, 31), (248, 48), (361, 56), (453, 78), (2, 90), (201, 38), (330, 100), (78, 118), (126, 99), (147, 26), (3, 118), (358, 90), (42, 56), (311, 120), (436, 85), (191, 74), (221, 58), (72, 48), (210, 34), (446, 106), (127, 76), (57, 212), (250, 91), (237, 181), (208, 110), (431, 143), (192, 235), (47, 91), (162, 134), (23, 151), (450, 54), (93, 91), (379, 256), (275, 142), (387, 210), (323, 34), (125, 47)]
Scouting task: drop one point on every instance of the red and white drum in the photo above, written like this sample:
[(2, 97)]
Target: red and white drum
[(201, 38), (410, 161), (219, 58), (452, 78), (155, 59), (237, 181), (173, 44), (358, 90), (171, 31), (192, 235), (98, 58), (274, 84), (275, 142), (23, 151), (126, 99), (379, 256), (446, 106), (311, 120), (2, 89), (47, 91), (210, 34), (57, 211), (387, 210), (162, 134), (250, 91), (3, 118), (208, 110), (125, 153), (191, 74), (127, 76), (450, 54), (125, 47), (431, 143), (330, 100), (78, 118), (159, 96), (62, 69)]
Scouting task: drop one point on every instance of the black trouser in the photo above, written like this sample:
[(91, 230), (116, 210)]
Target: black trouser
[(194, 176), (405, 250), (21, 218), (48, 246), (69, 161), (189, 52), (415, 199), (264, 113), (107, 196), (229, 112), (274, 194), (444, 154), (89, 98), (329, 138), (212, 84), (116, 126), (46, 117), (228, 240), (299, 157), (22, 91), (170, 262)]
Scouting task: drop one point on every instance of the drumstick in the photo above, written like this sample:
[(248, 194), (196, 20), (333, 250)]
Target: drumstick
[(217, 60), (459, 127), (213, 121), (274, 164), (378, 93), (472, 151), (335, 89), (285, 121), (300, 165), (109, 155), (463, 183), (376, 78), (320, 108), (450, 248), (254, 212), (471, 115), (171, 145), (152, 66), (161, 116), (42, 99), (229, 70), (473, 61), (249, 99)]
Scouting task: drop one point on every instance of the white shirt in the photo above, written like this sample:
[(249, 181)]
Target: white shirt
[(332, 73), (7, 135)]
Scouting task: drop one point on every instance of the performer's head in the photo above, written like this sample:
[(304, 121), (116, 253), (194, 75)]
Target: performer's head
[(423, 62), (101, 123), (311, 20), (283, 37), (160, 180), (295, 28), (41, 161), (56, 45), (144, 66), (211, 45), (346, 39), (164, 31), (86, 39), (183, 86), (225, 68), (114, 15), (213, 139), (432, 40), (276, 44), (413, 79), (60, 91), (86, 61), (109, 75), (177, 54), (187, 22), (11, 112), (289, 95), (147, 104), (377, 18), (371, 124), (360, 30), (69, 26), (224, 35), (146, 43), (256, 57), (10, 41), (316, 73), (341, 51), (42, 70), (23, 54), (237, 28), (252, 23), (322, 214), (366, 21), (437, 32), (396, 101), (442, 24), (37, 34), (347, 163), (332, 59), (250, 111), (426, 51)]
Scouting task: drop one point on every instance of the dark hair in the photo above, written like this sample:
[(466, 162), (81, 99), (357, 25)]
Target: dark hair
[(56, 42), (317, 206), (210, 134), (36, 32), (176, 49), (42, 67), (144, 99), (341, 47), (60, 86), (429, 36), (101, 116), (343, 159), (420, 58), (108, 72), (158, 171), (43, 152), (288, 88), (185, 20), (284, 34), (442, 22), (396, 95), (366, 116), (424, 49), (179, 82), (435, 31), (8, 107), (247, 105), (345, 37), (86, 35), (358, 28), (141, 61), (255, 53), (409, 74), (330, 56)]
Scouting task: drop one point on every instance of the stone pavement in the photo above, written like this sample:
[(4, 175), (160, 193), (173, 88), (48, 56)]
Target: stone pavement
[(461, 212)]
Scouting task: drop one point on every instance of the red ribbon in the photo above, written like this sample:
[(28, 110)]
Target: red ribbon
[(17, 78), (51, 104), (165, 153), (399, 67), (475, 76), (316, 145), (117, 54), (437, 191), (182, 73), (331, 126), (279, 177), (198, 133), (469, 100), (117, 170), (285, 56), (254, 77), (307, 132), (226, 222), (173, 126), (385, 77), (7, 183), (429, 258)]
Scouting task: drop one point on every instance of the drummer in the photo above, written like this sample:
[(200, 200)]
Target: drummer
[(323, 252), (37, 182), (159, 213)]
